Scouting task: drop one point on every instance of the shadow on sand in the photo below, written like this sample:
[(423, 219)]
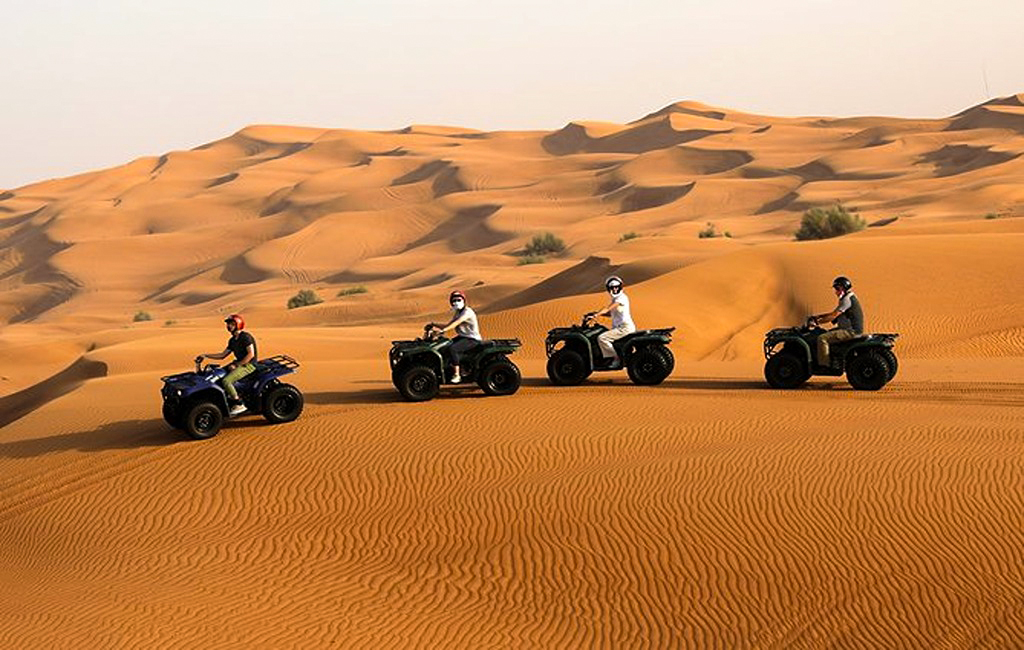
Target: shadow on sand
[(130, 434)]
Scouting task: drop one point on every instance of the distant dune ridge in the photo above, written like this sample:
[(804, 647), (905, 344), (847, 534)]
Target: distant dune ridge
[(705, 512)]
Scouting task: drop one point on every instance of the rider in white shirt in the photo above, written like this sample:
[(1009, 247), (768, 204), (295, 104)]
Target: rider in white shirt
[(467, 331), (622, 320)]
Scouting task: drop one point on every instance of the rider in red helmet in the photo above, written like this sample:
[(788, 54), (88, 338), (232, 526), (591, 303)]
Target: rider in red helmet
[(466, 328), (243, 345)]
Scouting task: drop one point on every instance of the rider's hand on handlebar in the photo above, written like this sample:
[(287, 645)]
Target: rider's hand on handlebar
[(199, 358)]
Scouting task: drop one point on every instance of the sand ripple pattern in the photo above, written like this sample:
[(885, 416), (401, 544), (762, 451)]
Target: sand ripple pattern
[(735, 517)]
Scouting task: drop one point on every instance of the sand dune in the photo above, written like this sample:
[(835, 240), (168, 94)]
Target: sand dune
[(709, 511)]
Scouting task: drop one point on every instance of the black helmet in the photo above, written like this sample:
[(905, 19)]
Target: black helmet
[(614, 282), (842, 282)]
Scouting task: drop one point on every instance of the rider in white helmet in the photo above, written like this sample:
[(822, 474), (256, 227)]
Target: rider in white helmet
[(622, 320)]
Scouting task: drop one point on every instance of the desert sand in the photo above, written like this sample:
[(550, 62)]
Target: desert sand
[(709, 511)]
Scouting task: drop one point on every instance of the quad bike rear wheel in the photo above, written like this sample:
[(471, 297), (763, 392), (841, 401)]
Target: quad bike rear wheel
[(891, 361), (867, 371), (500, 377), (649, 367), (282, 403)]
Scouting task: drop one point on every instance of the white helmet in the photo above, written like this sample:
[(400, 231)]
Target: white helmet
[(613, 284)]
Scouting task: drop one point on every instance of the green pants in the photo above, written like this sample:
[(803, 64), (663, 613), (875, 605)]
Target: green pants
[(229, 379)]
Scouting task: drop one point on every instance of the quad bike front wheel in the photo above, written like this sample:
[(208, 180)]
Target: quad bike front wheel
[(203, 420), (785, 371), (867, 371), (649, 366), (567, 368), (418, 384), (282, 403), (500, 377), (172, 415)]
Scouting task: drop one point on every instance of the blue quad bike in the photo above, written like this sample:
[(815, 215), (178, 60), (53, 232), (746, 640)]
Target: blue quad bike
[(791, 355), (573, 353), (421, 366), (196, 403)]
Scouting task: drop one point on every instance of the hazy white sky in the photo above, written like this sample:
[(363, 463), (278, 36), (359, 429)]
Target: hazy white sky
[(95, 84)]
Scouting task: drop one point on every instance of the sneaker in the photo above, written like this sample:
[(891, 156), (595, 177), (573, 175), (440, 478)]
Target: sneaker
[(237, 409), (456, 379)]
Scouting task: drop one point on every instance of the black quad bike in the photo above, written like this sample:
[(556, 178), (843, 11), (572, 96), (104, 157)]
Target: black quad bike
[(792, 358), (420, 367), (196, 403), (573, 354)]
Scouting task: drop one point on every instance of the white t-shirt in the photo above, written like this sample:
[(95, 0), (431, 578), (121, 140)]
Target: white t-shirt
[(469, 327), (621, 316)]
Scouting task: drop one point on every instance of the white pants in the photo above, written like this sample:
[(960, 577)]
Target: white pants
[(604, 341)]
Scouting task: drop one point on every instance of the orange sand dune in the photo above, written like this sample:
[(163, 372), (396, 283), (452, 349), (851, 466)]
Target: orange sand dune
[(708, 511)]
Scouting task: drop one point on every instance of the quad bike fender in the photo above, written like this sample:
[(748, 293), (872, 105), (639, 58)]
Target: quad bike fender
[(640, 342), (797, 346), (214, 394), (577, 343), (863, 346), (430, 358)]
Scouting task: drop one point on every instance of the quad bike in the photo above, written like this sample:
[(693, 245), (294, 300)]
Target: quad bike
[(196, 402), (421, 366), (573, 353), (867, 360)]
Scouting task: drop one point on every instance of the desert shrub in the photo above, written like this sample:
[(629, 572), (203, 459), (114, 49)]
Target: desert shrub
[(728, 234), (141, 316), (531, 259), (304, 298), (351, 291), (991, 215), (168, 323), (709, 232), (629, 235), (546, 243), (824, 223)]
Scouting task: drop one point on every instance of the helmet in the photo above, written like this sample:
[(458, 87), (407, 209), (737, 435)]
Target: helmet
[(237, 320), (842, 282), (456, 294), (614, 282)]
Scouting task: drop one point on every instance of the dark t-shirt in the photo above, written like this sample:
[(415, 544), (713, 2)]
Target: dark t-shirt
[(240, 344), (851, 316)]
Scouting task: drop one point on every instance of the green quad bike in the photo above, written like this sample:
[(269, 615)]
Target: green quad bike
[(573, 354), (420, 367), (867, 360)]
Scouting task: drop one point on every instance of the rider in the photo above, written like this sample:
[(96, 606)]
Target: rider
[(847, 316), (243, 346), (622, 321), (466, 328)]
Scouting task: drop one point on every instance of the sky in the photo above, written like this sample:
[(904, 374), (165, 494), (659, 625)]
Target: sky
[(87, 85)]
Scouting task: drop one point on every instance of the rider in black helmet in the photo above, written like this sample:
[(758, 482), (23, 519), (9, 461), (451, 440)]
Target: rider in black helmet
[(848, 318)]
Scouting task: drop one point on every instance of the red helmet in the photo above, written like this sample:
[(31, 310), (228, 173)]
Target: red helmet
[(456, 294), (237, 320)]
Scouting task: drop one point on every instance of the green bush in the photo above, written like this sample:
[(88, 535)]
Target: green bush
[(304, 298), (351, 291), (709, 232), (141, 316), (629, 235), (825, 223), (531, 259), (546, 243), (991, 215)]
